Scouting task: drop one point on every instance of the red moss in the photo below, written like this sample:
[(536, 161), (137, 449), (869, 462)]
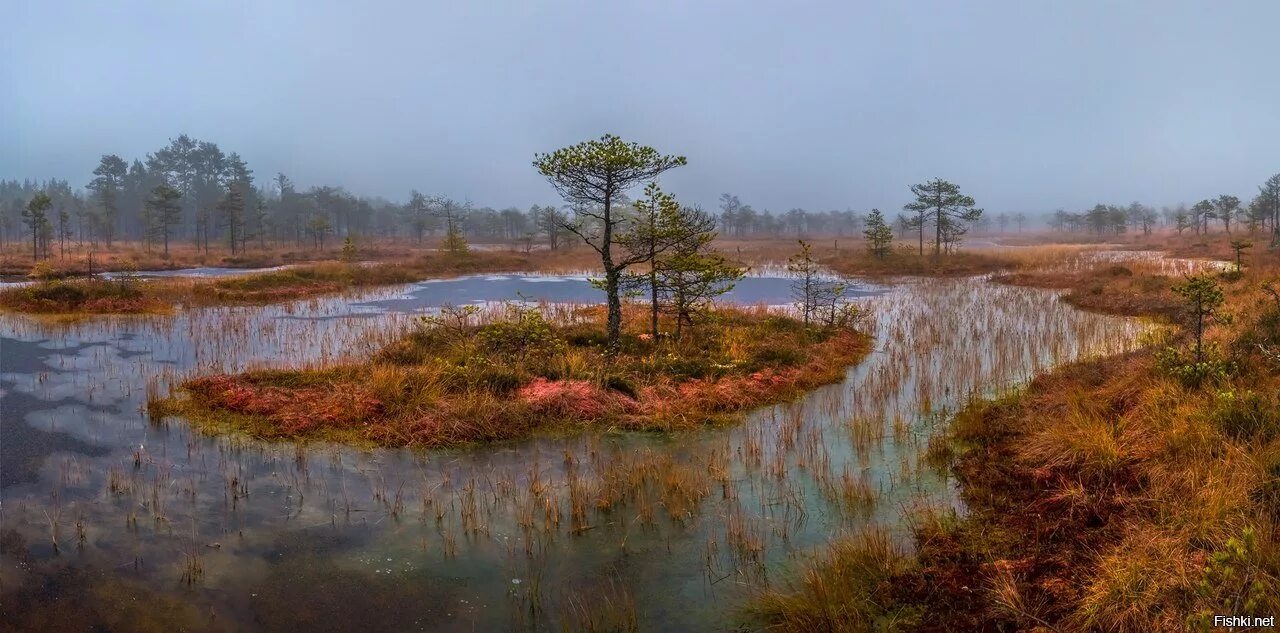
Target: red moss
[(341, 402), (573, 399), (292, 410)]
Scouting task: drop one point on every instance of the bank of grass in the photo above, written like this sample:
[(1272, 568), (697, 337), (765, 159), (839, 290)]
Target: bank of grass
[(81, 260), (306, 281), (1107, 288), (84, 296), (130, 256), (128, 295), (850, 257), (458, 381), (963, 263), (1107, 495)]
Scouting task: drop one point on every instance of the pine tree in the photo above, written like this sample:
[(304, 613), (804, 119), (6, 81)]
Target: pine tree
[(878, 234), (64, 230), (690, 275), (806, 288), (1200, 214), (35, 216), (594, 176), (455, 242), (942, 202), (655, 227), (231, 208), (1203, 297), (318, 227), (110, 178), (165, 212), (1225, 208), (348, 250)]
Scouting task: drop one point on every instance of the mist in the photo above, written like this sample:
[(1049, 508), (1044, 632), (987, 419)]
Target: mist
[(822, 106)]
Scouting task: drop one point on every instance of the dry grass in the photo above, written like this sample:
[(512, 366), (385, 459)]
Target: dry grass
[(124, 256), (307, 281), (850, 589), (84, 297), (1105, 496), (16, 260), (1106, 288)]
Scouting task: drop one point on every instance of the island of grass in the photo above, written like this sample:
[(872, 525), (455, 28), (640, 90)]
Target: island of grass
[(456, 380), (84, 296)]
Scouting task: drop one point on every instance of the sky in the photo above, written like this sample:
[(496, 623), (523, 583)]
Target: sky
[(1028, 106)]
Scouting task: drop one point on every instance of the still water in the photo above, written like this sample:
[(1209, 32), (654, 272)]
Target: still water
[(110, 519)]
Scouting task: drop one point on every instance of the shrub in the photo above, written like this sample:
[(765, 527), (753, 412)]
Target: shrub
[(1236, 581), (1246, 416), (526, 336), (1183, 367)]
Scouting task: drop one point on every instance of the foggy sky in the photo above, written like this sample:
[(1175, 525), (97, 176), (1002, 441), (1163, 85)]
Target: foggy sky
[(1029, 106)]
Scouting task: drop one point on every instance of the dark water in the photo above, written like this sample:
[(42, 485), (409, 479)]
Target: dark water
[(159, 528)]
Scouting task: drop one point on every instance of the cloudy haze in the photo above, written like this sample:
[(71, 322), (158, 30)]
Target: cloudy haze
[(814, 105)]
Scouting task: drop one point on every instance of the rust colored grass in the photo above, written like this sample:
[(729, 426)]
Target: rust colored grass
[(1106, 495), (436, 388)]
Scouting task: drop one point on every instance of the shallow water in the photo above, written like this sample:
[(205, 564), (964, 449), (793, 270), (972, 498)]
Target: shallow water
[(549, 533)]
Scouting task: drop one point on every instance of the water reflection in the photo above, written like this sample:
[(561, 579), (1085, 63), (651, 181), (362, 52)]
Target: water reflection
[(669, 531)]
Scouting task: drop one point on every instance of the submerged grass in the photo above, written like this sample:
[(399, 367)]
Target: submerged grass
[(1106, 495), (457, 380)]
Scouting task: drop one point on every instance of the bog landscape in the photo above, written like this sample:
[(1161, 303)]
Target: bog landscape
[(230, 401)]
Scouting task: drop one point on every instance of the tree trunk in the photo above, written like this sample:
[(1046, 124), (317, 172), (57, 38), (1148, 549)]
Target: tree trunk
[(937, 223), (1199, 333), (653, 299), (920, 218), (613, 326)]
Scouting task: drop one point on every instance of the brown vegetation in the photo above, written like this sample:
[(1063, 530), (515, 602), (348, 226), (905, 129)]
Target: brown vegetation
[(457, 380), (84, 296), (1108, 495), (1105, 288), (124, 295)]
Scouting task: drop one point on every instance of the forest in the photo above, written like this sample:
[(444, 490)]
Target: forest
[(194, 192)]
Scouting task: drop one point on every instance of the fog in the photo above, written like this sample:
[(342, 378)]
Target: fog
[(838, 105)]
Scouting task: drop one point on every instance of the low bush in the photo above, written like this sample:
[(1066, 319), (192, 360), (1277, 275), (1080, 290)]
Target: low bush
[(1247, 416)]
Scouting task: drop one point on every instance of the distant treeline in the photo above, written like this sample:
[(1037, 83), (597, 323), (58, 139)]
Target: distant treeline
[(1262, 213), (191, 190)]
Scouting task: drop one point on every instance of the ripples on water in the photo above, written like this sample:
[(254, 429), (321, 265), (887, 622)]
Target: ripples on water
[(531, 534)]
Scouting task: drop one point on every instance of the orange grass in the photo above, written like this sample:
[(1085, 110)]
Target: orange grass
[(1107, 495), (436, 388)]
